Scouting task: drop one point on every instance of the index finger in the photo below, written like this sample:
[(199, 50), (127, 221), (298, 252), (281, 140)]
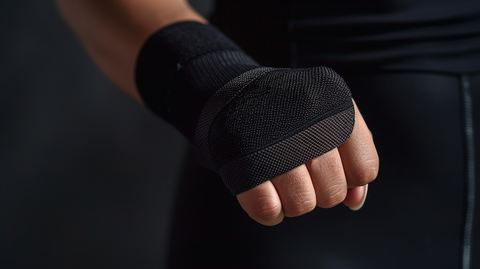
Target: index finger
[(359, 155)]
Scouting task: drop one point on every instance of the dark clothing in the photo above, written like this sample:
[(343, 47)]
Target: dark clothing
[(407, 64), (422, 35), (414, 216)]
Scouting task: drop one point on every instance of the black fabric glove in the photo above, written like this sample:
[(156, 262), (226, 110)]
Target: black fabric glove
[(248, 123)]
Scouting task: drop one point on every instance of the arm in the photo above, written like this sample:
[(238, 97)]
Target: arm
[(113, 31)]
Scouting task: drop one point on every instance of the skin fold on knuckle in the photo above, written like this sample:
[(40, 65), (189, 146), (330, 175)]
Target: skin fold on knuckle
[(332, 196), (299, 204), (366, 172), (266, 211)]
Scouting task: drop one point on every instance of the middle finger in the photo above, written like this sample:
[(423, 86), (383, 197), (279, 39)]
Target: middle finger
[(296, 191), (328, 179)]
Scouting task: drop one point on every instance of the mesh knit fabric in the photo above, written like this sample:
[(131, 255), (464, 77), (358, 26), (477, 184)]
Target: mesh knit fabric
[(181, 66), (248, 123), (268, 121)]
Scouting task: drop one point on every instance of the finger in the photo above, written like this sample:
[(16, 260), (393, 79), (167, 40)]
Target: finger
[(356, 197), (296, 191), (328, 179), (358, 154), (262, 204)]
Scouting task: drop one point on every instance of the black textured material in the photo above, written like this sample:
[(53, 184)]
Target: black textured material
[(249, 123), (269, 121), (181, 66)]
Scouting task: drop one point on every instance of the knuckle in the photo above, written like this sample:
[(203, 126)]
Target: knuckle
[(266, 210), (332, 196), (299, 205), (366, 173)]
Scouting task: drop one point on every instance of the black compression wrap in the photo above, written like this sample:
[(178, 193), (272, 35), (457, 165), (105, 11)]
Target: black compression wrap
[(181, 66), (248, 123)]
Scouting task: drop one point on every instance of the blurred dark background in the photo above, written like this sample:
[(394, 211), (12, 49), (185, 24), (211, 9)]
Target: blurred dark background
[(87, 176)]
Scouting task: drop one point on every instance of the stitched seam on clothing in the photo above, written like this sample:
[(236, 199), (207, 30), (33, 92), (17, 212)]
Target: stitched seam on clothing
[(470, 170)]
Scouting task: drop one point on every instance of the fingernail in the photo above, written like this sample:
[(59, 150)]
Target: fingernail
[(357, 207)]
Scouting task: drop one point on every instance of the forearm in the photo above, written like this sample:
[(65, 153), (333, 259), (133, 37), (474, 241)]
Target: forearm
[(113, 31)]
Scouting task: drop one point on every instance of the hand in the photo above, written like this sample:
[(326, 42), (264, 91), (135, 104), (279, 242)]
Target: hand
[(340, 175)]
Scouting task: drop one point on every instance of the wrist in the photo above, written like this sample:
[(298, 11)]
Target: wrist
[(181, 66)]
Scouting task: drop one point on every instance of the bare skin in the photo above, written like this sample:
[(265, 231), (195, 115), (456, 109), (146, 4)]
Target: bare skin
[(113, 31)]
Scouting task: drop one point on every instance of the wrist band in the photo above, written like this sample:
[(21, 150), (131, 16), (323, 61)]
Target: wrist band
[(181, 66)]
